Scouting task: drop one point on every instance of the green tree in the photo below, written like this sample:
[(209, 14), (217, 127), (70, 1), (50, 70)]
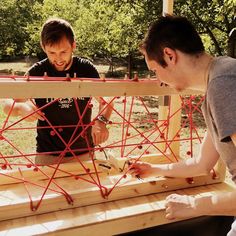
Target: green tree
[(214, 21), (15, 16)]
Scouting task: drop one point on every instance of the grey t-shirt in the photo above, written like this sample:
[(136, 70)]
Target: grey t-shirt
[(219, 109)]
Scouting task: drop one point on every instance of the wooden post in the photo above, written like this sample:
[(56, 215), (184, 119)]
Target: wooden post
[(174, 124), (168, 6), (164, 100)]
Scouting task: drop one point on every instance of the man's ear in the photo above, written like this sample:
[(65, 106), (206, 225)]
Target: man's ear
[(41, 44), (74, 46), (170, 55)]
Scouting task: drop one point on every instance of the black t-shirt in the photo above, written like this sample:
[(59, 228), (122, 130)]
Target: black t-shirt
[(69, 115)]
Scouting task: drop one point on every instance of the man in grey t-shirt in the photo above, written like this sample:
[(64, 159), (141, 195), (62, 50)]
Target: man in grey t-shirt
[(174, 51)]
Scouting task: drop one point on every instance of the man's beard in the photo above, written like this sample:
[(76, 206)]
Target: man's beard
[(64, 68)]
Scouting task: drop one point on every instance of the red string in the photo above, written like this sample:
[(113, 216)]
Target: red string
[(158, 133)]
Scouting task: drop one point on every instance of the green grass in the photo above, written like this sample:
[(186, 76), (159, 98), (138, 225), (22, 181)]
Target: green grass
[(18, 68)]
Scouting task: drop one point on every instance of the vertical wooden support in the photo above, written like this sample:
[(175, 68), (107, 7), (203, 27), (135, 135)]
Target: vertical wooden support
[(174, 123), (221, 170), (164, 100), (168, 6), (163, 110)]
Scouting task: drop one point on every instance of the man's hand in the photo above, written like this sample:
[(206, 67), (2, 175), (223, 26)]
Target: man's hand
[(180, 207), (25, 109), (100, 132), (143, 170), (22, 108)]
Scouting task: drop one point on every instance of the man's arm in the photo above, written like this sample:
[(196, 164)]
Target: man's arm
[(182, 206), (199, 165), (22, 108), (100, 132)]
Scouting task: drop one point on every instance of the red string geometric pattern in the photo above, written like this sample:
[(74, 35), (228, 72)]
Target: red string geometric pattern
[(135, 130)]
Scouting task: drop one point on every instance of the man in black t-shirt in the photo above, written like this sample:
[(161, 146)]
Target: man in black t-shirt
[(70, 117)]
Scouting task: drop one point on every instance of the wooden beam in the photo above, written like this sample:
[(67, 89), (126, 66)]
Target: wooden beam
[(14, 201), (60, 89), (108, 218), (168, 6), (25, 174)]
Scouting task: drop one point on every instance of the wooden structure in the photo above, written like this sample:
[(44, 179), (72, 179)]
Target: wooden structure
[(79, 207), (82, 208)]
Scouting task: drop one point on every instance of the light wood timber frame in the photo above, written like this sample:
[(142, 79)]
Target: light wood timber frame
[(87, 88), (110, 218), (87, 200)]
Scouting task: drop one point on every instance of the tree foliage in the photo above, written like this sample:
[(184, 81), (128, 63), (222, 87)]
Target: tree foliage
[(214, 21), (108, 28), (15, 16)]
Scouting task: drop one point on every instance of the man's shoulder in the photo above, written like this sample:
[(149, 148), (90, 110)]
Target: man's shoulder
[(83, 61), (85, 67), (38, 68), (223, 66)]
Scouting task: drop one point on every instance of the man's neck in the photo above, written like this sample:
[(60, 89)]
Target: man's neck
[(200, 67)]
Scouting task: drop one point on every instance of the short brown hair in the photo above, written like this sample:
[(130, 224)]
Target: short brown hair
[(54, 30), (175, 32)]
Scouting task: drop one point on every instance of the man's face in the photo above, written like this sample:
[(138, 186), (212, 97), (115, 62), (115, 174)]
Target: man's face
[(166, 75), (60, 54)]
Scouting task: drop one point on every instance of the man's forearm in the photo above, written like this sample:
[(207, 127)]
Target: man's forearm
[(106, 110), (218, 204), (199, 165), (182, 169)]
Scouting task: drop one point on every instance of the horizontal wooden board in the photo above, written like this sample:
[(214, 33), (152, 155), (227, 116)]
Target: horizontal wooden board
[(108, 218), (77, 88), (14, 200)]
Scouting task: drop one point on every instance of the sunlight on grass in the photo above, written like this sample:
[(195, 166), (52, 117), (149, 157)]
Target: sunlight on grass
[(18, 139)]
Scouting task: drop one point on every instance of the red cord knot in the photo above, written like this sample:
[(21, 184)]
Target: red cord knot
[(83, 134), (105, 193), (189, 153), (140, 146), (33, 208), (135, 79), (28, 165), (76, 177), (90, 105), (35, 169), (214, 175), (162, 135), (190, 180), (52, 133), (68, 77), (4, 166)]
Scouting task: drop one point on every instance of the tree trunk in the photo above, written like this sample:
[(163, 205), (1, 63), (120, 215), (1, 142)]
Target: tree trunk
[(130, 65)]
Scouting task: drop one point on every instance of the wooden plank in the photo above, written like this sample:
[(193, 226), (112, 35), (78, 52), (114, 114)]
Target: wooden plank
[(14, 200), (20, 175), (60, 89), (109, 218), (168, 6), (175, 123), (163, 108)]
